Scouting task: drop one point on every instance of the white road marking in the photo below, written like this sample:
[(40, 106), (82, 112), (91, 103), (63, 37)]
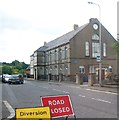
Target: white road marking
[(11, 110), (107, 92), (100, 100), (81, 96), (102, 91), (61, 91)]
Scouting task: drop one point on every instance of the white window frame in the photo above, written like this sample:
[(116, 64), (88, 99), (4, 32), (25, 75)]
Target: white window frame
[(95, 49), (55, 55), (104, 50), (87, 49), (95, 37), (66, 52), (60, 54), (110, 68), (91, 69), (81, 69)]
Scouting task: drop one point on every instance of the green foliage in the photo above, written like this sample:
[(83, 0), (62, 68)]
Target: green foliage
[(116, 47), (6, 69), (15, 67)]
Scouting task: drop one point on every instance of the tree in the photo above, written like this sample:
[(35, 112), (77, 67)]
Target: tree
[(15, 63), (15, 67), (15, 71), (116, 48), (6, 69)]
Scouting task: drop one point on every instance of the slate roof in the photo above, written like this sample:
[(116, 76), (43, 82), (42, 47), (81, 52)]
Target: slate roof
[(41, 49), (63, 39)]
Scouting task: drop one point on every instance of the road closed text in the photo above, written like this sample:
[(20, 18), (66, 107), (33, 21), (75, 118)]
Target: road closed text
[(59, 105), (59, 109)]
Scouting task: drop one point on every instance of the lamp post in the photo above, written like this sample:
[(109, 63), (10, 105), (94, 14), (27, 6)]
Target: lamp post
[(100, 42)]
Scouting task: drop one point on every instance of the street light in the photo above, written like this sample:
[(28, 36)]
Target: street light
[(100, 64)]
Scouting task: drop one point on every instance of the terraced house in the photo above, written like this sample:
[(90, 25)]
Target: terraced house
[(75, 53)]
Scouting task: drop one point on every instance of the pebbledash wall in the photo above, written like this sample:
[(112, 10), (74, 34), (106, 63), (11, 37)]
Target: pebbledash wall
[(75, 53)]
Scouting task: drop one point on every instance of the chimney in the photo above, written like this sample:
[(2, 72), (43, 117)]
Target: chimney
[(92, 19), (75, 26), (45, 43)]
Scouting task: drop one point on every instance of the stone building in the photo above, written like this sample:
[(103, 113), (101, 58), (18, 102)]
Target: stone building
[(75, 52)]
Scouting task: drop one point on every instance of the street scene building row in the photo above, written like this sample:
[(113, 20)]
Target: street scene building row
[(76, 52)]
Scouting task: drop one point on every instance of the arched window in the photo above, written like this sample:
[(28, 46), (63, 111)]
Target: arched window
[(60, 54), (95, 37), (104, 49), (66, 52), (87, 53)]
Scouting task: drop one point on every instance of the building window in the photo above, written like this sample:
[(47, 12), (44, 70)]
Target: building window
[(95, 49), (91, 69), (50, 56), (87, 49), (104, 49), (55, 55), (95, 37), (81, 69), (66, 52), (47, 56), (110, 68), (60, 54)]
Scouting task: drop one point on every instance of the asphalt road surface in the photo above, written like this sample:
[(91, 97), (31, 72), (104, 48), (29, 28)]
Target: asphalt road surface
[(87, 103)]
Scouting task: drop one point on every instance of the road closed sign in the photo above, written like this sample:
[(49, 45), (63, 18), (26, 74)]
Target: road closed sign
[(38, 113), (59, 105)]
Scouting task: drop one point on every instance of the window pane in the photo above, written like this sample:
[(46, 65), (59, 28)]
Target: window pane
[(87, 48), (104, 49), (95, 49), (95, 37), (81, 69)]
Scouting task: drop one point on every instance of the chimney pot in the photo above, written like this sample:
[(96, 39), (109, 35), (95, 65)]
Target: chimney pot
[(75, 26)]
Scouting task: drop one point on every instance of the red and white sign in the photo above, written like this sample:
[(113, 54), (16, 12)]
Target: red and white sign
[(59, 105)]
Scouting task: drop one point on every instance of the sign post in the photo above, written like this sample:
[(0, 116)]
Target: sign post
[(59, 105), (38, 113)]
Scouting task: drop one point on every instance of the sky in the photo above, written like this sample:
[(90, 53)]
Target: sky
[(26, 24)]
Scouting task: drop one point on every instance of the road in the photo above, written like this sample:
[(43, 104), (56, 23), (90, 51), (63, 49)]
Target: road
[(87, 103)]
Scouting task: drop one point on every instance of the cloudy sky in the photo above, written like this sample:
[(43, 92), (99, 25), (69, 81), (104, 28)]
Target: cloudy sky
[(26, 24)]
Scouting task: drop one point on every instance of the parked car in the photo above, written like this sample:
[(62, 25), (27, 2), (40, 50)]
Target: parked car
[(16, 79), (2, 78), (5, 78)]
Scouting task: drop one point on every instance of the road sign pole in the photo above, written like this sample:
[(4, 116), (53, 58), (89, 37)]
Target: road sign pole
[(74, 117)]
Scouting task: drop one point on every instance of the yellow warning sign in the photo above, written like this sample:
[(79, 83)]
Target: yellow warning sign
[(38, 113)]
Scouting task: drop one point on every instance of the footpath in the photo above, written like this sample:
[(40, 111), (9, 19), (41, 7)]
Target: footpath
[(107, 87)]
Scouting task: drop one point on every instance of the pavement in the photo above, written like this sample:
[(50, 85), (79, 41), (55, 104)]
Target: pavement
[(114, 88), (107, 88)]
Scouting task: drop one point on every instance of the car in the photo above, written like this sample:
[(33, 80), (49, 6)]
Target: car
[(16, 79), (5, 78), (2, 78)]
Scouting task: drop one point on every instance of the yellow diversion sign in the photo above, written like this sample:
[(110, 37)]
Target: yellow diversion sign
[(39, 113)]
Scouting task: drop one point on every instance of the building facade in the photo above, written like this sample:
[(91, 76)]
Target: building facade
[(74, 53)]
